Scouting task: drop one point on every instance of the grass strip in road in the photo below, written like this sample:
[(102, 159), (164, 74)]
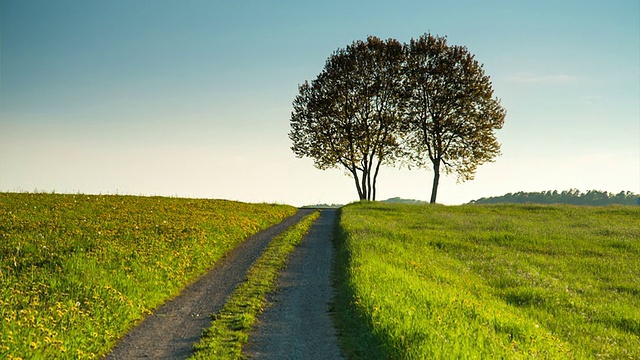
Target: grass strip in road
[(230, 328)]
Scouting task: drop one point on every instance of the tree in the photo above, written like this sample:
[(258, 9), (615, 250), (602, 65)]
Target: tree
[(451, 113), (349, 115)]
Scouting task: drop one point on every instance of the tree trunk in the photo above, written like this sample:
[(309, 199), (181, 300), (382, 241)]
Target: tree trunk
[(355, 177), (436, 180), (370, 164), (365, 189), (366, 180), (369, 184), (375, 178)]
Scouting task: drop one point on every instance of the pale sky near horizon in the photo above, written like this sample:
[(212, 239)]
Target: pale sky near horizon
[(193, 98)]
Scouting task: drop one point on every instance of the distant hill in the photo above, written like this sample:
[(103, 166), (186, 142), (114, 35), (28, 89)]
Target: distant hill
[(397, 200), (322, 206), (573, 197)]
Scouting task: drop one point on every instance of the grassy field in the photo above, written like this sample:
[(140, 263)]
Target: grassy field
[(78, 271), (501, 281)]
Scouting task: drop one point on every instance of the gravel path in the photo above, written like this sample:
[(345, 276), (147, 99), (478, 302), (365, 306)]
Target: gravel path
[(298, 325), (171, 331)]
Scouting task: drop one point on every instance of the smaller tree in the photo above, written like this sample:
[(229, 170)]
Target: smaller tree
[(451, 113)]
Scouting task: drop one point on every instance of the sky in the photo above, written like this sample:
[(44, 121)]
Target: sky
[(193, 98)]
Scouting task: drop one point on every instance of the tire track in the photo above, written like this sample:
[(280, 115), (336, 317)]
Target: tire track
[(298, 324)]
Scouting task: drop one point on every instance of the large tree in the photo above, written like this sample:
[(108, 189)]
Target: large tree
[(349, 115), (451, 112)]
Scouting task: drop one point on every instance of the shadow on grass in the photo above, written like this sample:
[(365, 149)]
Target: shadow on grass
[(356, 333)]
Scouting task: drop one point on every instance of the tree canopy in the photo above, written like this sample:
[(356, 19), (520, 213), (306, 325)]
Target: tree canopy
[(380, 101), (451, 114), (349, 115)]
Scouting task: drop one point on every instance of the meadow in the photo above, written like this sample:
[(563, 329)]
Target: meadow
[(488, 281), (78, 271)]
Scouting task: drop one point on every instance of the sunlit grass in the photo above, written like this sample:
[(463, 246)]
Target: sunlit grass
[(522, 281), (78, 271)]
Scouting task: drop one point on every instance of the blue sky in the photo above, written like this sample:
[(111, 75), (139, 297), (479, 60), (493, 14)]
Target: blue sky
[(193, 98)]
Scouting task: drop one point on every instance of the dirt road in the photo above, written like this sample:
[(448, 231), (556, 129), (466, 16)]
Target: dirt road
[(298, 325), (171, 331)]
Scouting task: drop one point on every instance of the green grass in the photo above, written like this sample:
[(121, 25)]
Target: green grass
[(502, 281), (230, 328), (77, 271)]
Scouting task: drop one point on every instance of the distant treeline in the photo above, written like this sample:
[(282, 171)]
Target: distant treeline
[(573, 197), (322, 206)]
